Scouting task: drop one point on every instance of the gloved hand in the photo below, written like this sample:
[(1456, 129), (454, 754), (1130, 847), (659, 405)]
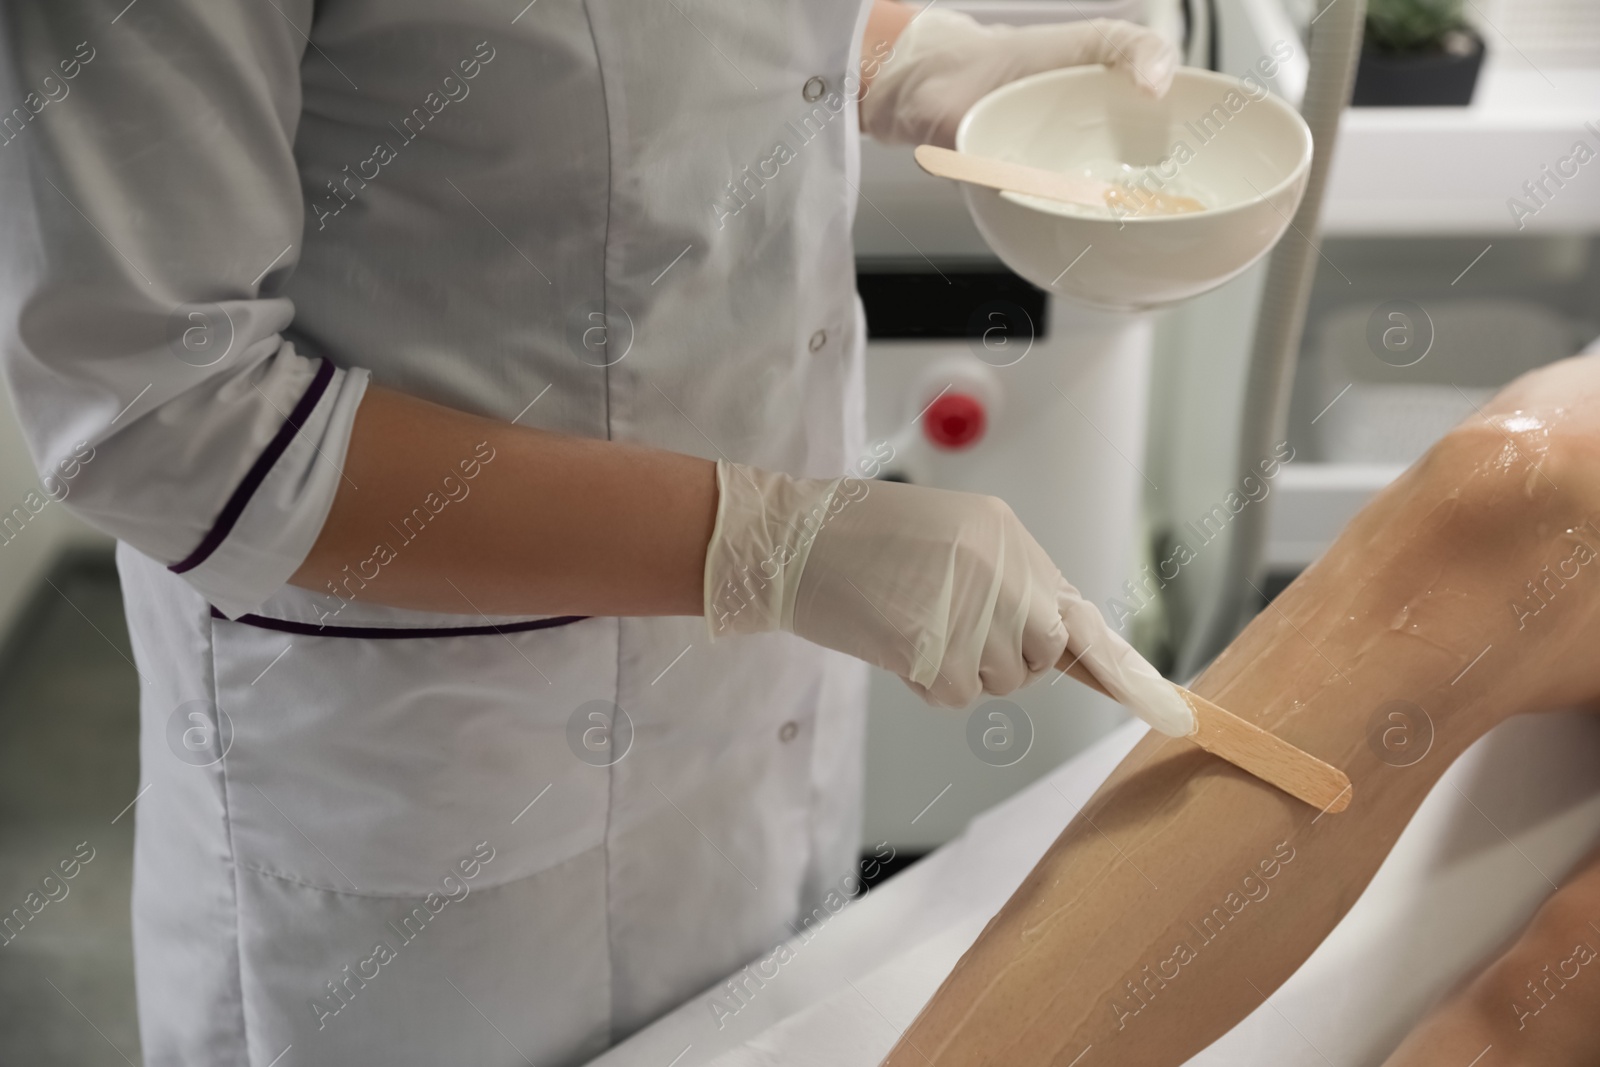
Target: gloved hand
[(945, 589), (945, 61)]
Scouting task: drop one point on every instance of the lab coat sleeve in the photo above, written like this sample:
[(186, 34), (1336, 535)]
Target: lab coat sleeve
[(152, 209)]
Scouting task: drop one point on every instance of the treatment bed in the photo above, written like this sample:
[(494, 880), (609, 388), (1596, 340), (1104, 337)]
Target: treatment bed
[(1492, 840)]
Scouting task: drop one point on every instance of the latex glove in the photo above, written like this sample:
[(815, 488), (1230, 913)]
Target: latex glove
[(945, 589), (945, 61)]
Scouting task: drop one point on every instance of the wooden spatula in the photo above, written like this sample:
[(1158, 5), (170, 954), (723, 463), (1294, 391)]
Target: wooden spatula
[(1249, 747), (1034, 181)]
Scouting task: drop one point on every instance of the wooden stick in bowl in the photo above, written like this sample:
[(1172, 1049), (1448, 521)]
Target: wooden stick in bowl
[(1034, 181)]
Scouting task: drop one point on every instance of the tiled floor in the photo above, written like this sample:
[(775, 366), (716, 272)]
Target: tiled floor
[(68, 767)]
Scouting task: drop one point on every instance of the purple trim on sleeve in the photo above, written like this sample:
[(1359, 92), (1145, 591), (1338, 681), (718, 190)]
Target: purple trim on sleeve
[(258, 472), (380, 633)]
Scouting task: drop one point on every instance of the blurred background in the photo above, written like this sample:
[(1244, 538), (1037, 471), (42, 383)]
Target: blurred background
[(1109, 435)]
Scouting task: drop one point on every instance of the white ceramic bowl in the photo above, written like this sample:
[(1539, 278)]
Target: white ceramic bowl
[(1245, 153)]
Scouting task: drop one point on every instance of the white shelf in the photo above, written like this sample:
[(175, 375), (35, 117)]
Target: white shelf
[(1452, 170)]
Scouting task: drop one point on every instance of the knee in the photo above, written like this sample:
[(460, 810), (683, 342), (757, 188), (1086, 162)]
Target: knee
[(1508, 506), (1503, 490), (1515, 477)]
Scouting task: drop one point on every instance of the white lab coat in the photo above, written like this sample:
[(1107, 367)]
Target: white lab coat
[(632, 217)]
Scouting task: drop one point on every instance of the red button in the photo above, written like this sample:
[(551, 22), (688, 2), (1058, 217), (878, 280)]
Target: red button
[(955, 420)]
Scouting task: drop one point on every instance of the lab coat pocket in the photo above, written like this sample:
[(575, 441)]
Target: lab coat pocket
[(378, 766)]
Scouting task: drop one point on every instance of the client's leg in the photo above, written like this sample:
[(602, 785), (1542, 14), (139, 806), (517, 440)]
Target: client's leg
[(1187, 891), (1535, 1006)]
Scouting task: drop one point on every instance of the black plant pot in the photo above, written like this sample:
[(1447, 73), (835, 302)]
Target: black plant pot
[(1440, 77)]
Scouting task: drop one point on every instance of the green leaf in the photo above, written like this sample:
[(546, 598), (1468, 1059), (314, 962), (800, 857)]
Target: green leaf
[(1412, 25)]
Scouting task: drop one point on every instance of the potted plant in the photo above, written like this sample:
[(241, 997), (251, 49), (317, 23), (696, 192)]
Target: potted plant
[(1417, 53)]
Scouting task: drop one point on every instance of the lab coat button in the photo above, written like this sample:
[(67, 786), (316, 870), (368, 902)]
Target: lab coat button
[(788, 731), (819, 339), (814, 88)]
